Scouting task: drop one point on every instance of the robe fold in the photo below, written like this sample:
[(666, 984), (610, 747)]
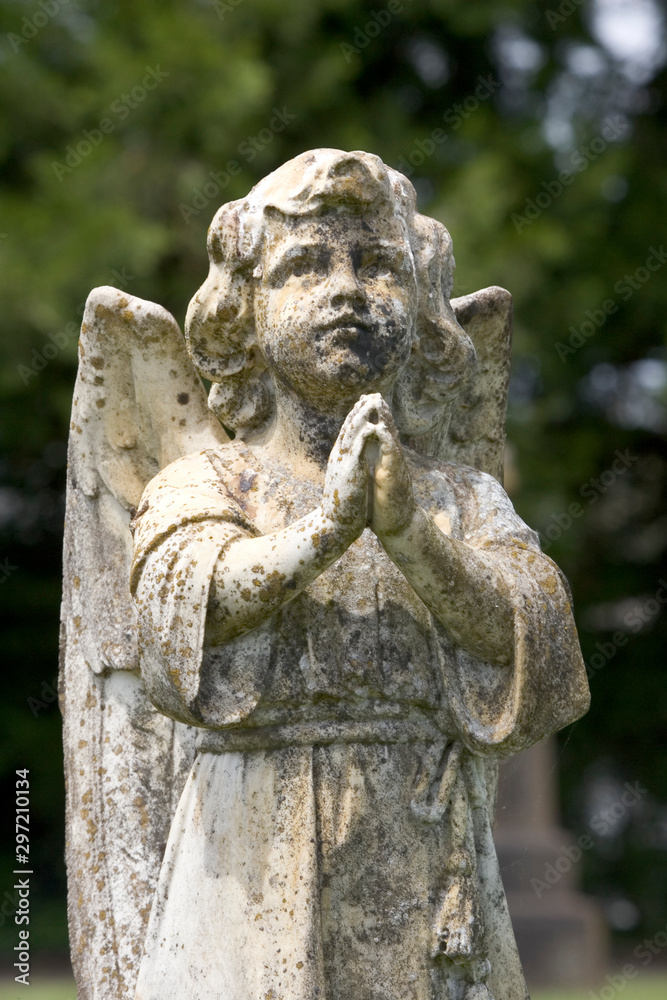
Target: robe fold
[(334, 837)]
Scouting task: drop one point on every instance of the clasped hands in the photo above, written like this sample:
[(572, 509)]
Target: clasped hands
[(368, 482)]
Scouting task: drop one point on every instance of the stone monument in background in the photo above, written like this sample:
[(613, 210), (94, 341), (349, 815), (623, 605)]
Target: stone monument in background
[(560, 933), (302, 623)]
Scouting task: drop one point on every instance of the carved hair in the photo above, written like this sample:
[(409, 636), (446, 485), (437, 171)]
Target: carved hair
[(220, 324)]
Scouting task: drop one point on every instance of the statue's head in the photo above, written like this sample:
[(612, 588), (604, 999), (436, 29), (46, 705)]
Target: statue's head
[(327, 282)]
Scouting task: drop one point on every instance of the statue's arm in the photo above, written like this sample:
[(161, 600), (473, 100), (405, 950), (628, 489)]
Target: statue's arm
[(254, 577), (474, 590), (462, 587)]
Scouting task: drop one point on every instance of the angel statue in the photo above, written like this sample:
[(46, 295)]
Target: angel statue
[(302, 623)]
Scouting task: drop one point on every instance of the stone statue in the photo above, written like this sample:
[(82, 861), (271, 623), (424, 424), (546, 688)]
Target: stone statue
[(293, 659)]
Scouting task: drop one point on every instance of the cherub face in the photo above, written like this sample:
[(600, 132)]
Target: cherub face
[(336, 307)]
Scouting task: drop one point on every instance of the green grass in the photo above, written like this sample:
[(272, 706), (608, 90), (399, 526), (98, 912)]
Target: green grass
[(648, 988), (39, 989)]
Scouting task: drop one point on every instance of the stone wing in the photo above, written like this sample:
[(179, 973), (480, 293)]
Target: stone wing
[(138, 405), (476, 432)]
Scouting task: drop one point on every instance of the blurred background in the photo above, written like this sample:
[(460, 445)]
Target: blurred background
[(536, 132)]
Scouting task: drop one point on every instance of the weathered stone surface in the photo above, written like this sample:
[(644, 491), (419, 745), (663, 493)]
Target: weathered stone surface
[(352, 630), (125, 764)]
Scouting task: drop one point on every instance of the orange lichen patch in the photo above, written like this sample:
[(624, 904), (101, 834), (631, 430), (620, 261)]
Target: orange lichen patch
[(175, 677), (140, 804), (272, 587)]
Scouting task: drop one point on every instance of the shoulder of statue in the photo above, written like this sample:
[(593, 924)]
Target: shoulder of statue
[(192, 489), (458, 481), (487, 516), (200, 469)]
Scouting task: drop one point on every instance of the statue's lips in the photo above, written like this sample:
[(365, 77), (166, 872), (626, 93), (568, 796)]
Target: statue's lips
[(346, 331)]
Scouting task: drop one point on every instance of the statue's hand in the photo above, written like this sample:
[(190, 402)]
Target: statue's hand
[(393, 502), (346, 486)]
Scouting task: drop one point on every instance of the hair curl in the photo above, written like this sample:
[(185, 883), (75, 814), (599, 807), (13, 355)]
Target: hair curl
[(220, 323)]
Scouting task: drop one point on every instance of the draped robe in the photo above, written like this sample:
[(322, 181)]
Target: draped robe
[(334, 837)]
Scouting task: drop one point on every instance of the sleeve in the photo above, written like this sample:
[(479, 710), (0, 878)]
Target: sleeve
[(502, 710), (186, 519)]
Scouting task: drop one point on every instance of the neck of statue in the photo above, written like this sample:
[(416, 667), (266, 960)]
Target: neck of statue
[(302, 435)]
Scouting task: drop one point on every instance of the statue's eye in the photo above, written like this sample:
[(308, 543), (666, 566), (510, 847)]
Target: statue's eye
[(300, 262), (307, 263), (376, 265), (373, 262), (301, 266)]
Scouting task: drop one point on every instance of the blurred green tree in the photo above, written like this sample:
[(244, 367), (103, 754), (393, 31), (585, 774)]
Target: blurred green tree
[(534, 131)]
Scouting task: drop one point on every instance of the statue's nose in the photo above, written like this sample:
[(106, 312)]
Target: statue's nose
[(346, 288)]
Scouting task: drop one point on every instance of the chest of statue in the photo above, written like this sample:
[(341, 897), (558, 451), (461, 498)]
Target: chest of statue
[(358, 639)]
